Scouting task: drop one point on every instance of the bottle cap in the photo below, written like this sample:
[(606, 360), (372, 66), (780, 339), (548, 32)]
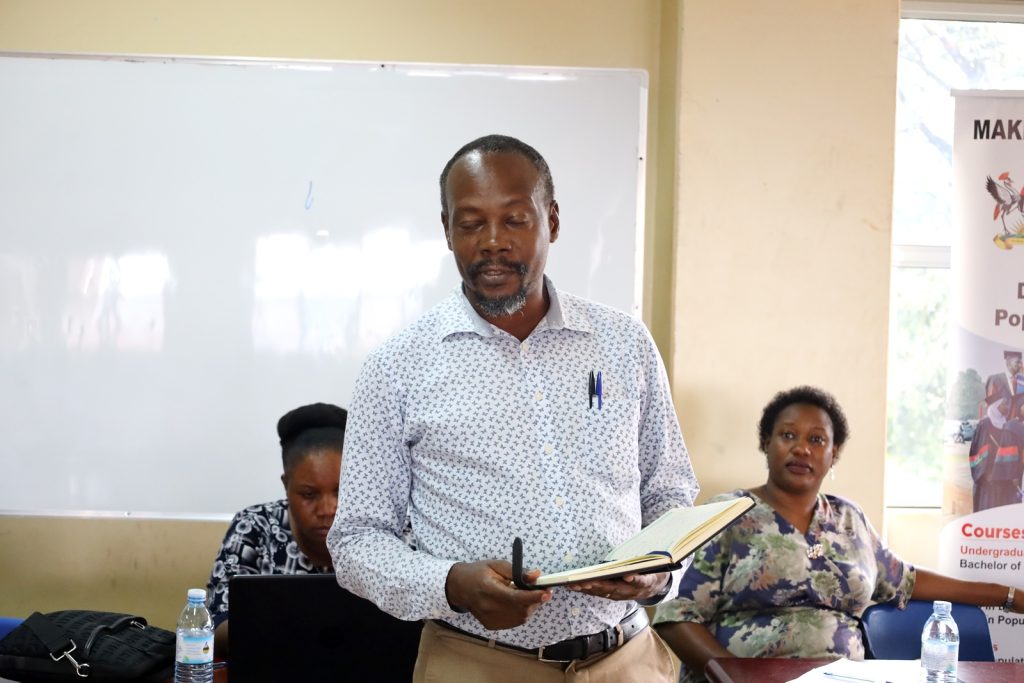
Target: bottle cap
[(197, 594), (942, 607)]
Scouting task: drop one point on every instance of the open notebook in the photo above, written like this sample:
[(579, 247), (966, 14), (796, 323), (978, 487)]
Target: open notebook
[(660, 546)]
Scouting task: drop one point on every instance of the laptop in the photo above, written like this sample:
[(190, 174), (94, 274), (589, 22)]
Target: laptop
[(287, 628)]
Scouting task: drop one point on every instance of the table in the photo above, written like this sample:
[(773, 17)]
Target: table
[(737, 670)]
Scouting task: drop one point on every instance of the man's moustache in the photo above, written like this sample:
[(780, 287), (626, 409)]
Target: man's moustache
[(476, 268)]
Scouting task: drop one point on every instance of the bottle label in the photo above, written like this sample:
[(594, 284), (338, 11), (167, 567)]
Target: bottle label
[(194, 649), (939, 656)]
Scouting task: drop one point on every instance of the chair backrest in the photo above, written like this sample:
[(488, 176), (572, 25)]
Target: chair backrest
[(892, 633), (8, 624)]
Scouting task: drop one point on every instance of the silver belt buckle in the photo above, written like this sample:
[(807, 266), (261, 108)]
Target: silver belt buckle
[(540, 656)]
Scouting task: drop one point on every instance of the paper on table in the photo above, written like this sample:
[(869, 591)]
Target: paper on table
[(868, 671)]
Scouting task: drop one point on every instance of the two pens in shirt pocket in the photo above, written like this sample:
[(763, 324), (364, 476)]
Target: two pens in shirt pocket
[(610, 432), (603, 393)]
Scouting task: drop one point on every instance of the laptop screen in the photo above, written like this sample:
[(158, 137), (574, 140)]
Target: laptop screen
[(308, 628)]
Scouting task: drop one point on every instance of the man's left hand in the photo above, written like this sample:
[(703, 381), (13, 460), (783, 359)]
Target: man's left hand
[(629, 587)]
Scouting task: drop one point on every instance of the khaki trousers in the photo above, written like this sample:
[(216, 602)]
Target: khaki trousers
[(449, 657)]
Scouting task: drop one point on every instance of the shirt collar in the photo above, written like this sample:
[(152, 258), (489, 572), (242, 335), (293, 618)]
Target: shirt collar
[(458, 315)]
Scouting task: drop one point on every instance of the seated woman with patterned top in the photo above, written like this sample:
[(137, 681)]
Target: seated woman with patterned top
[(287, 536), (792, 577)]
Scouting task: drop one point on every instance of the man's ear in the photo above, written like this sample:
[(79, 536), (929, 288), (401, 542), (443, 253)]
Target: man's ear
[(284, 481), (553, 220), (447, 234)]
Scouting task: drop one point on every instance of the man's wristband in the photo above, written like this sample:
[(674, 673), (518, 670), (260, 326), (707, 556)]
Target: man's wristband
[(1008, 605)]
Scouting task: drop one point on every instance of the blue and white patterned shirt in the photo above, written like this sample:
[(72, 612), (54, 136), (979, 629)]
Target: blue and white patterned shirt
[(483, 438)]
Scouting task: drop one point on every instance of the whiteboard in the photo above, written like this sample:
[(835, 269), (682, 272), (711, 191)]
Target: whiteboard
[(190, 248)]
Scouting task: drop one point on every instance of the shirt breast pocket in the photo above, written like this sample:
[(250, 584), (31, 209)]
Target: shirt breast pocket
[(611, 436)]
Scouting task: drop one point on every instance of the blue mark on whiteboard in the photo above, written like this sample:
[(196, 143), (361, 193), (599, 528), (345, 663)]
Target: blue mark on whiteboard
[(309, 196)]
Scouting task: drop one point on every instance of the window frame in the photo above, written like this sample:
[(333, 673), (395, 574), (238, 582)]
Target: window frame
[(909, 255), (963, 10)]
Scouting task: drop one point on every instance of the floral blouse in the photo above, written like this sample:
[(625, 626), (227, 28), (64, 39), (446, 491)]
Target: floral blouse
[(258, 541), (764, 589)]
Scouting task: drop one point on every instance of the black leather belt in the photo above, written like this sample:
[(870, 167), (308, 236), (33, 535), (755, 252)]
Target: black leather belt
[(580, 647)]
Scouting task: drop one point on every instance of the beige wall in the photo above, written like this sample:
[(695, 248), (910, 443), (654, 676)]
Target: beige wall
[(119, 565), (915, 534), (770, 146), (785, 196)]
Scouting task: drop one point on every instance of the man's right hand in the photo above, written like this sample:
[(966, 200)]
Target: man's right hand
[(485, 589)]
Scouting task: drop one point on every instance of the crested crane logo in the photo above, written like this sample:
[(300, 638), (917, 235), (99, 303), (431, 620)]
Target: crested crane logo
[(1009, 209)]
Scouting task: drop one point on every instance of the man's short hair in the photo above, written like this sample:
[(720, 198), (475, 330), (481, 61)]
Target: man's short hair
[(499, 143)]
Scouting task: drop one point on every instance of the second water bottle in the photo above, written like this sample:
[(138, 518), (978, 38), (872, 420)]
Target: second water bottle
[(940, 645)]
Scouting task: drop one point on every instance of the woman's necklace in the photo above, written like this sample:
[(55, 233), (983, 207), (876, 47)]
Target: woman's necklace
[(814, 551)]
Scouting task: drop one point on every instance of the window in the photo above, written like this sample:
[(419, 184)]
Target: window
[(943, 47)]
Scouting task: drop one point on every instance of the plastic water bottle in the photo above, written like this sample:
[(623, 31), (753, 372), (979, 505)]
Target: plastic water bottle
[(193, 652), (940, 645)]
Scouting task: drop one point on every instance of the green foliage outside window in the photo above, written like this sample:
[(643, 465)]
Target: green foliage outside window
[(918, 343)]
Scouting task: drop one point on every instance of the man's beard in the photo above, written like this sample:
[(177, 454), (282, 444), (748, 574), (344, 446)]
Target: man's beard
[(501, 306)]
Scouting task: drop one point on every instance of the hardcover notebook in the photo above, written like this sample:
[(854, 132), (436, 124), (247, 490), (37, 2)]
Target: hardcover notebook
[(660, 546), (308, 628)]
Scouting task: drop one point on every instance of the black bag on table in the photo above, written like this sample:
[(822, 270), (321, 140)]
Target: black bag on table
[(84, 645)]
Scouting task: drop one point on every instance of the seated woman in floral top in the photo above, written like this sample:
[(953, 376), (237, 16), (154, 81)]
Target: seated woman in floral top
[(793, 575), (287, 536)]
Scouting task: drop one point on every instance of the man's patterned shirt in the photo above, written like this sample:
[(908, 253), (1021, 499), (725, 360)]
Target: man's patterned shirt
[(482, 438)]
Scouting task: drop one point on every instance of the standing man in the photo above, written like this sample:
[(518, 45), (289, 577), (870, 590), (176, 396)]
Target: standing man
[(1005, 384), (480, 421)]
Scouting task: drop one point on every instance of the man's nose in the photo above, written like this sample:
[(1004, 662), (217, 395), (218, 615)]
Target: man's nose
[(495, 237)]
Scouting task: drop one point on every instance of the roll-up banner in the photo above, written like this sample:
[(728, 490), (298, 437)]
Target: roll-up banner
[(985, 405)]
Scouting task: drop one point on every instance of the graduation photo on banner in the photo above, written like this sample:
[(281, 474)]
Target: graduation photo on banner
[(984, 465)]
